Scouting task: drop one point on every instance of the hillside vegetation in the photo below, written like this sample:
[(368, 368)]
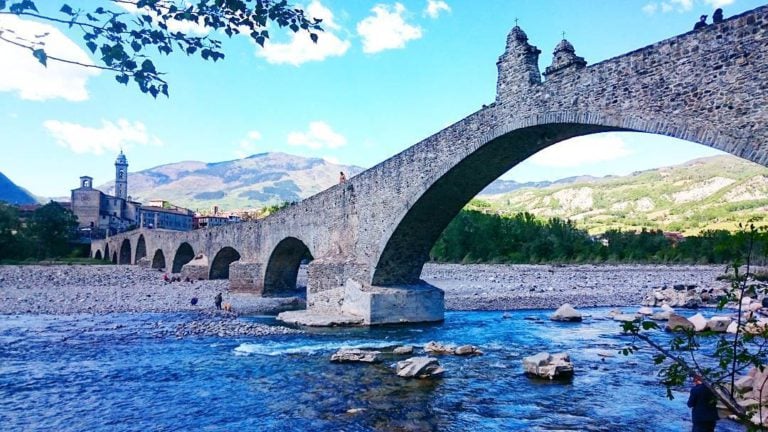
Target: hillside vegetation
[(709, 193)]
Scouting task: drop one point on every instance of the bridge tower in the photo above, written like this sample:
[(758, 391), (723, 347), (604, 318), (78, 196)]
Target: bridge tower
[(518, 66)]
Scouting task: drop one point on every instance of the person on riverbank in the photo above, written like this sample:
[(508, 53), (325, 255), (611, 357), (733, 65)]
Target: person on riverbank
[(217, 301), (703, 404)]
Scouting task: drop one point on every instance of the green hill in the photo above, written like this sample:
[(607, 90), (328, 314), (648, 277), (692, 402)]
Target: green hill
[(710, 193)]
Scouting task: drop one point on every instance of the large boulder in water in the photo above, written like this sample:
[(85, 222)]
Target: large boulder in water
[(699, 322), (677, 322), (345, 355), (544, 365), (419, 367), (566, 312), (719, 323), (467, 350), (433, 347)]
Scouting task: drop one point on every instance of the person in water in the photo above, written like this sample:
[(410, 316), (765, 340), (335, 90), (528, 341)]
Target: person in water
[(703, 404)]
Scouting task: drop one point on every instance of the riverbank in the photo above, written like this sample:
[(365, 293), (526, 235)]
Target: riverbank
[(64, 290)]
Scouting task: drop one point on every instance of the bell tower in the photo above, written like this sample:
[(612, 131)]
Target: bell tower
[(121, 176)]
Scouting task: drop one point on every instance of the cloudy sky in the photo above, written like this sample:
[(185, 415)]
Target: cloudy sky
[(383, 76)]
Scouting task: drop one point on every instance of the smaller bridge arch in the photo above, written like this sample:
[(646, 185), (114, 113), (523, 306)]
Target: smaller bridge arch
[(125, 252), (220, 264), (106, 252), (283, 266), (114, 257), (158, 260), (141, 249), (97, 255), (184, 254)]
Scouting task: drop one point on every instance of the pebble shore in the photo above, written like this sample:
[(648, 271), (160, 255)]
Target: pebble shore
[(99, 290)]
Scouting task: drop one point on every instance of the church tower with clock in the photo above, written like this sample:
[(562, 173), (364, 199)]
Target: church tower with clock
[(121, 176)]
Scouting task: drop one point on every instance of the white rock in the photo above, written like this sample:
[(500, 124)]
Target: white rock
[(645, 311), (625, 318), (754, 307), (719, 323), (419, 367), (744, 384), (566, 313), (661, 316), (732, 327), (667, 308), (433, 347), (548, 366), (403, 350), (699, 322), (355, 355)]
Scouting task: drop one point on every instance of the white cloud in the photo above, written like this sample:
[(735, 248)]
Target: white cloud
[(189, 27), (582, 150), (320, 135), (681, 5), (386, 29), (300, 49), (247, 145), (109, 137), (650, 8), (434, 7), (22, 73)]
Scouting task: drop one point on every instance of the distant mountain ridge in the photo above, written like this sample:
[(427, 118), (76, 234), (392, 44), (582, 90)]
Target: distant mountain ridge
[(709, 193), (13, 194), (255, 181)]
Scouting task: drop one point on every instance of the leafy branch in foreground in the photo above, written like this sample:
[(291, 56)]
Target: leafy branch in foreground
[(123, 32), (719, 358)]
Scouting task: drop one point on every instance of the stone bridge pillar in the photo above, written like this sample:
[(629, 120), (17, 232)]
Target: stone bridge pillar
[(247, 277)]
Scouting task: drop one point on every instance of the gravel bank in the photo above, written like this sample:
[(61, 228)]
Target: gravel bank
[(62, 290), (502, 287)]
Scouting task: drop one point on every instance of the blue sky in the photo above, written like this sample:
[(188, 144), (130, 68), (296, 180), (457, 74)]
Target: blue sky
[(384, 76)]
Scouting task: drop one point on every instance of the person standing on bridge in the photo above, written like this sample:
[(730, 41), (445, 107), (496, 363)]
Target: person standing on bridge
[(701, 24), (717, 17), (342, 177)]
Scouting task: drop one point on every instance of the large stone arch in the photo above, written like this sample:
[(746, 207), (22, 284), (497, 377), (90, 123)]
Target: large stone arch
[(283, 266), (221, 262), (106, 252), (158, 259), (184, 254), (406, 249), (141, 249), (125, 252), (97, 255)]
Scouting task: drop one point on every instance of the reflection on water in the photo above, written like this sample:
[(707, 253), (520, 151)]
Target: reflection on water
[(110, 373)]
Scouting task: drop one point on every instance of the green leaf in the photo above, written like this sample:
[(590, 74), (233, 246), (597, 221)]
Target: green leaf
[(2, 4), (41, 56), (67, 10), (91, 46)]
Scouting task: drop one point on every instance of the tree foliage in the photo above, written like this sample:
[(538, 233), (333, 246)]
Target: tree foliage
[(125, 34), (48, 233), (474, 236)]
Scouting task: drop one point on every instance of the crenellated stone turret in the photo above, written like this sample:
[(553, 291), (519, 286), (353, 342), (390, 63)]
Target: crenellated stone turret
[(518, 66), (564, 60)]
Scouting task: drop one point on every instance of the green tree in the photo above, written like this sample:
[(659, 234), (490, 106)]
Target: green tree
[(52, 229), (124, 34), (12, 245)]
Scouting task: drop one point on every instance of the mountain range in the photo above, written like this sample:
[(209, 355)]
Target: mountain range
[(13, 194), (252, 182), (717, 192)]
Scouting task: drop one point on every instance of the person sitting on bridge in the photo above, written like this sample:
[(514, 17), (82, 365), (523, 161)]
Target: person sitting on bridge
[(217, 301), (701, 24), (717, 17)]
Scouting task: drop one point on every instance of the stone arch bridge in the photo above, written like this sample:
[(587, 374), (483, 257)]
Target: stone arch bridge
[(368, 238)]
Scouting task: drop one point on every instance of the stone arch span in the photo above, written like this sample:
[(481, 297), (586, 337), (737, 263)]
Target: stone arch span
[(406, 249), (283, 266), (125, 252), (97, 255), (184, 254), (106, 252), (221, 262), (158, 260), (141, 249)]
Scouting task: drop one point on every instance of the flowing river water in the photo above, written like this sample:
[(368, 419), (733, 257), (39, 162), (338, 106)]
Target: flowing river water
[(113, 373)]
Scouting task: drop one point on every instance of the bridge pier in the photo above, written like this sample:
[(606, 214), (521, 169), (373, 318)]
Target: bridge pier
[(246, 277)]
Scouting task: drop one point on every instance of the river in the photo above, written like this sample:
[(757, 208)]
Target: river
[(113, 373)]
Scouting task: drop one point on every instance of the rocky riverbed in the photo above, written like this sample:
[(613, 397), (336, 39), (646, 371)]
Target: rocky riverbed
[(111, 289)]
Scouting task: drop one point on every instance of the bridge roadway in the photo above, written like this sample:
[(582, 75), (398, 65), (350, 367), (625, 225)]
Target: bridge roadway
[(368, 238)]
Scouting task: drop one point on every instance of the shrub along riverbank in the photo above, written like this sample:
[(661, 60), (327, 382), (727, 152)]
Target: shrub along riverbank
[(477, 237)]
